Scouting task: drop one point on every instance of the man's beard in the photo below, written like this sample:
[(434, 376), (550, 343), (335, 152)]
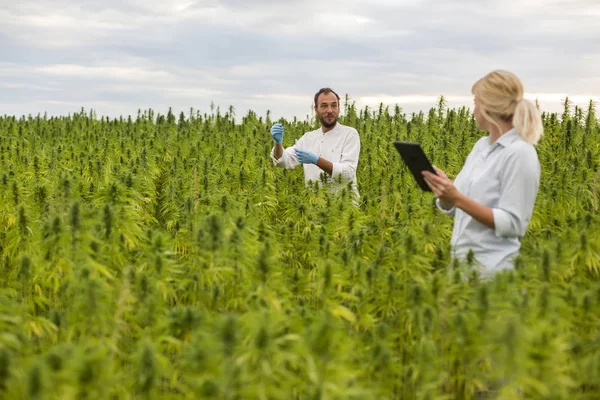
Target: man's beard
[(327, 124)]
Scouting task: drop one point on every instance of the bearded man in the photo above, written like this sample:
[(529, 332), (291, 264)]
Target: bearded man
[(332, 149)]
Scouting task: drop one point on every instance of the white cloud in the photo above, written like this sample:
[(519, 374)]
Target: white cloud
[(130, 54), (413, 99), (560, 97), (124, 73), (13, 85), (283, 97), (551, 102)]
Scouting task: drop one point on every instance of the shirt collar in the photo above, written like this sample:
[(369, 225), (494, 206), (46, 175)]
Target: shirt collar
[(335, 128), (504, 140), (508, 137)]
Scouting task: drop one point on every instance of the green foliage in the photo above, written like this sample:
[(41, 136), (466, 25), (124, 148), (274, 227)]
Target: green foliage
[(164, 257)]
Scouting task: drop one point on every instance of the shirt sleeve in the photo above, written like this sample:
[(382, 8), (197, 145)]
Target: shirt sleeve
[(458, 179), (349, 160), (288, 159), (519, 186), (449, 212)]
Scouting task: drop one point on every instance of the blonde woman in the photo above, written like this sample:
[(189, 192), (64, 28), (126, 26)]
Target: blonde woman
[(493, 196)]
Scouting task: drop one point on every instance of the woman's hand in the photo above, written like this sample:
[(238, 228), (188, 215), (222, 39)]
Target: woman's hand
[(449, 196), (443, 188)]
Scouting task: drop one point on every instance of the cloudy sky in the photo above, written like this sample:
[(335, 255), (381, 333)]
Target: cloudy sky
[(117, 56)]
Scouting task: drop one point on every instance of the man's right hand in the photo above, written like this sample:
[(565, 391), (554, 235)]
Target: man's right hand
[(277, 133)]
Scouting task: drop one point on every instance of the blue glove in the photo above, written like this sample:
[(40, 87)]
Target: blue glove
[(277, 133), (306, 157)]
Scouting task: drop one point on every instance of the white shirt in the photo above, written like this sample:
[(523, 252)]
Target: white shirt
[(340, 146), (503, 176)]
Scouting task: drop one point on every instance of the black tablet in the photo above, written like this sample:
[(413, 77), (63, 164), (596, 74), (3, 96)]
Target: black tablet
[(415, 159)]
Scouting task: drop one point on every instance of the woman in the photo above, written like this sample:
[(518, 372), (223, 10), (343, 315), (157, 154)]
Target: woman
[(492, 197)]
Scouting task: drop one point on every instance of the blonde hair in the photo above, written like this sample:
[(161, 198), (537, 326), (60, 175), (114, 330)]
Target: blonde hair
[(500, 97)]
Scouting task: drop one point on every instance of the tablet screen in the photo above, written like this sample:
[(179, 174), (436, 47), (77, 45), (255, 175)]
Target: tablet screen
[(415, 159)]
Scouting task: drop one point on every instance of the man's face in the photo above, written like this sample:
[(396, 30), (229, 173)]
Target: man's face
[(327, 109)]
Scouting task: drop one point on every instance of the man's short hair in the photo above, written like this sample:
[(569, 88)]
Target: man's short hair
[(325, 91)]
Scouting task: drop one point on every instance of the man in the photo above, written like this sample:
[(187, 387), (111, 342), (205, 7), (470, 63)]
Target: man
[(334, 148)]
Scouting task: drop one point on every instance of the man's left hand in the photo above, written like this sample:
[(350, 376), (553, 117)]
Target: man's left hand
[(306, 157)]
